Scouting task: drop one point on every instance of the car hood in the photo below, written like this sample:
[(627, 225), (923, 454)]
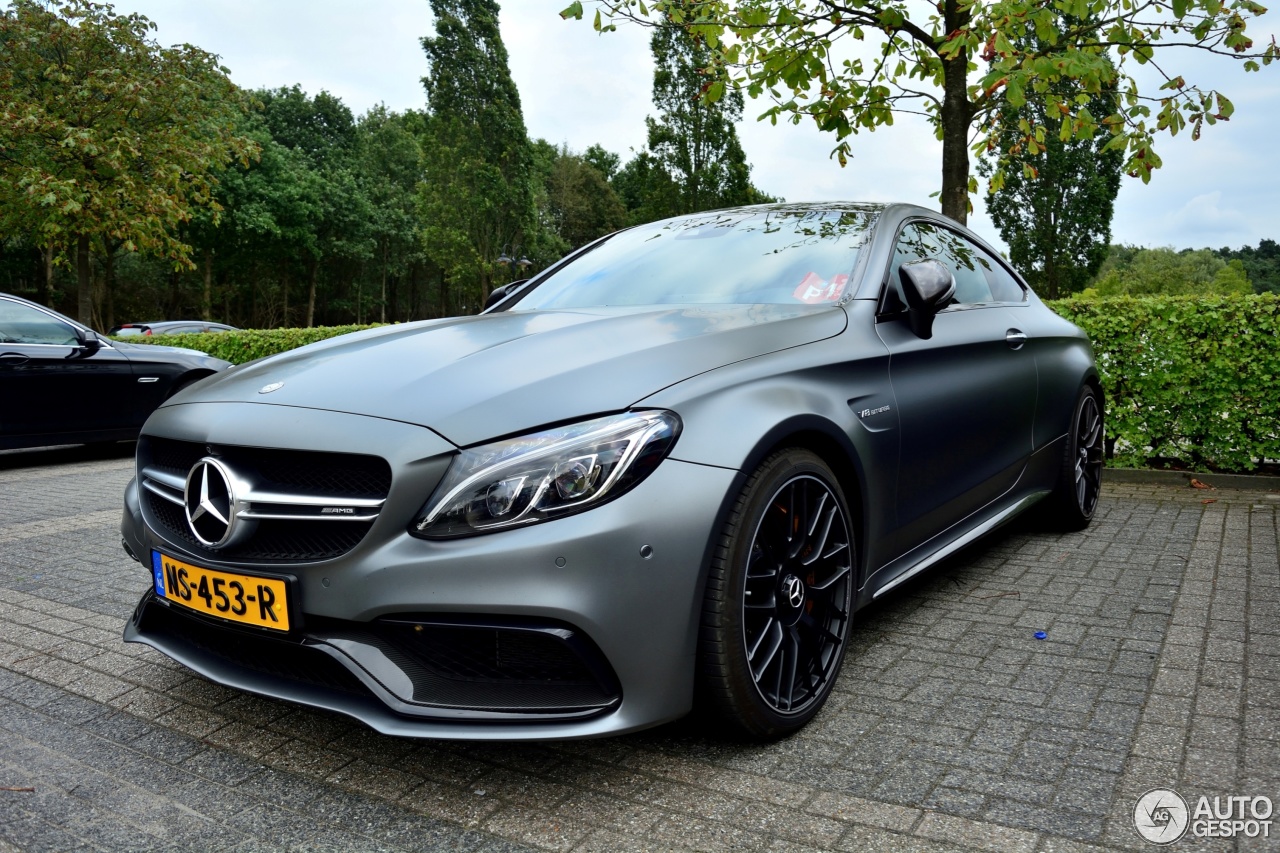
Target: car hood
[(475, 378)]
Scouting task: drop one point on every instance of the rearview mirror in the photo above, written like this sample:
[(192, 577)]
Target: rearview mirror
[(929, 287)]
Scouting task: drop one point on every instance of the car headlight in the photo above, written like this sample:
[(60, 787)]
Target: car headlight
[(545, 475)]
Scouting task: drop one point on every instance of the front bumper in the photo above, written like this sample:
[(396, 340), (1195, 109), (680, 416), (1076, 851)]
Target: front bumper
[(630, 620)]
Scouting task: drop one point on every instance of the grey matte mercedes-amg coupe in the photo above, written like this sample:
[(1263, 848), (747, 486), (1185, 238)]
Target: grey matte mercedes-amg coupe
[(674, 464)]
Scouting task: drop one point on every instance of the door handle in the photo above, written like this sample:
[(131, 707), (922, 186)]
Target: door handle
[(1015, 338), (13, 359)]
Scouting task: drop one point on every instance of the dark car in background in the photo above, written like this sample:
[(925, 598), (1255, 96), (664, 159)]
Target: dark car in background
[(170, 327), (674, 464), (63, 383)]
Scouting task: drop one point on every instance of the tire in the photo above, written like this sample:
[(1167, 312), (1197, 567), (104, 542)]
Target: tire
[(1074, 500), (778, 602)]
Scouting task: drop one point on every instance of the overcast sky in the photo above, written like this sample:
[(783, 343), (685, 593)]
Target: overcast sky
[(581, 88)]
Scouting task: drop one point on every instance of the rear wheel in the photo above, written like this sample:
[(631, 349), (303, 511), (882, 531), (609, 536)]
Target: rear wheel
[(779, 598), (1074, 501)]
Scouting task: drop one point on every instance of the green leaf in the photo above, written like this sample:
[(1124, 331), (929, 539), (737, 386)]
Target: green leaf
[(573, 10)]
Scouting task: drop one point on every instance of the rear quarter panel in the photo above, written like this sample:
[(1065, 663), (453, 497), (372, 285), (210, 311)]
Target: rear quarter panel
[(1064, 363)]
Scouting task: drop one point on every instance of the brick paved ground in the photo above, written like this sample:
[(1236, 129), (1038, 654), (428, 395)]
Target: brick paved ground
[(951, 726)]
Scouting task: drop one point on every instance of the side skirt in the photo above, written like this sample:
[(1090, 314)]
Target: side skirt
[(1037, 482), (969, 537)]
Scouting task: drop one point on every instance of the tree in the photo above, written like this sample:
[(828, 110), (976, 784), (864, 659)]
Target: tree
[(478, 196), (605, 161), (1055, 207), (695, 141), (105, 135), (918, 59), (1134, 271), (1262, 264), (647, 189), (390, 163), (336, 227), (578, 204)]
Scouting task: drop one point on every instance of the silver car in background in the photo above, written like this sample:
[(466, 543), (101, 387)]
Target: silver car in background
[(677, 462)]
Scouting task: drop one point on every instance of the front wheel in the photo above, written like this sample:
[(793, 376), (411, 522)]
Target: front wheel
[(1075, 499), (779, 598)]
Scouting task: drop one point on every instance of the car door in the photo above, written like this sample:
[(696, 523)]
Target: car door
[(966, 396), (50, 385)]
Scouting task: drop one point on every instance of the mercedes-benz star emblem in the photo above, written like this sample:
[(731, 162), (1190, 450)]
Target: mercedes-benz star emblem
[(210, 501), (793, 589), (274, 386)]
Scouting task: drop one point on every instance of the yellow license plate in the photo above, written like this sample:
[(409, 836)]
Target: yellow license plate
[(262, 602)]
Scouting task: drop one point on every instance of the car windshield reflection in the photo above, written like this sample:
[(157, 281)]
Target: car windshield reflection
[(777, 256)]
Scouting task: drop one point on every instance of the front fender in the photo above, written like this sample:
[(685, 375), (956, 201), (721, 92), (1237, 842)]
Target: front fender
[(820, 396)]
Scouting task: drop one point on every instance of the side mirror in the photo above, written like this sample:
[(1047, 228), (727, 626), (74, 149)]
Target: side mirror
[(501, 293), (87, 342), (929, 287)]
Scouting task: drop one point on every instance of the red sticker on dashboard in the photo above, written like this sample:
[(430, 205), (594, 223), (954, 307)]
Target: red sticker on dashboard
[(813, 290)]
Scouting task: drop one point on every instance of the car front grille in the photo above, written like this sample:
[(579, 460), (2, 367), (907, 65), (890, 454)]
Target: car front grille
[(290, 492)]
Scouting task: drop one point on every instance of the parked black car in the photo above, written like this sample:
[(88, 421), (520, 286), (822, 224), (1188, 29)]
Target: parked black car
[(170, 327), (62, 383)]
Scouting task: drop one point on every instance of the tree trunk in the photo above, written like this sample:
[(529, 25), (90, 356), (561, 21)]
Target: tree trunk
[(313, 273), (206, 305), (174, 298), (413, 292), (382, 315), (1050, 276), (956, 114), (48, 276), (226, 296), (109, 283), (84, 281), (284, 311)]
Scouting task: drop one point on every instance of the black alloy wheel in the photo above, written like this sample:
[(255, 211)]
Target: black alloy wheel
[(1088, 457), (779, 598), (1074, 501)]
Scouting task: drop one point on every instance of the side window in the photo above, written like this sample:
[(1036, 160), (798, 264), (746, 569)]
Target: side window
[(22, 324), (1004, 287), (979, 278)]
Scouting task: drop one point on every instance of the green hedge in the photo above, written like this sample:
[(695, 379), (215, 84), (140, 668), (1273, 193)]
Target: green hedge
[(247, 344), (1191, 379), (1187, 378)]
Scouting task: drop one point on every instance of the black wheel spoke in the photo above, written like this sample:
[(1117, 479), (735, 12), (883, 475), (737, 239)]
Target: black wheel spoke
[(760, 566), (774, 634), (821, 544), (793, 658)]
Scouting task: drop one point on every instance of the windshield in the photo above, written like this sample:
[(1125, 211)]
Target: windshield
[(776, 255)]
